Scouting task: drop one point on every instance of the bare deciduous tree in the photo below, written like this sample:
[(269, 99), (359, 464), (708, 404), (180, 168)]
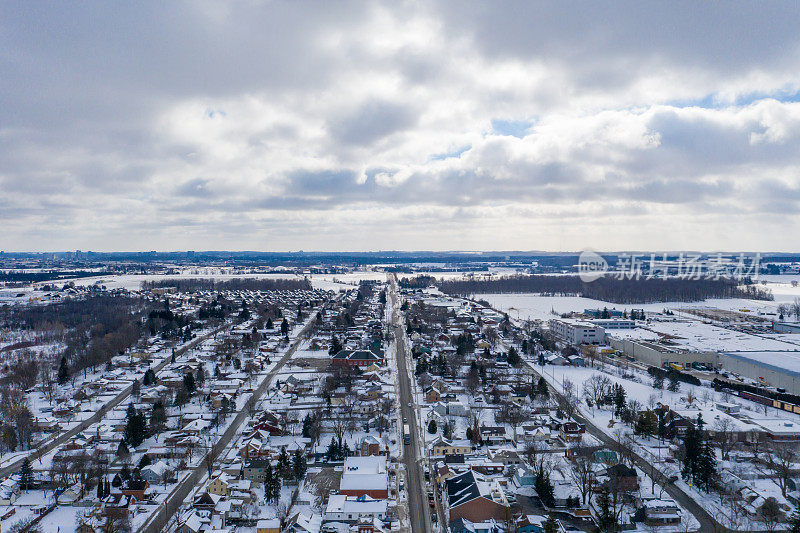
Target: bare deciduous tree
[(583, 474), (780, 460)]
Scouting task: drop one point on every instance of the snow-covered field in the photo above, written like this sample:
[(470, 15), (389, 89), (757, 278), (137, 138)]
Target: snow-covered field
[(534, 306), (134, 281)]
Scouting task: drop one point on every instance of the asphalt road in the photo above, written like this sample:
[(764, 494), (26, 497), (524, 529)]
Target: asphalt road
[(417, 499)]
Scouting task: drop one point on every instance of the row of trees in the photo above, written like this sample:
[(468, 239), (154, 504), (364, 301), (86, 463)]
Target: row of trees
[(792, 309), (289, 470), (609, 289)]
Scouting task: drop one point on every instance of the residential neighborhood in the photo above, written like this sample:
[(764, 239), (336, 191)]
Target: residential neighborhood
[(393, 403)]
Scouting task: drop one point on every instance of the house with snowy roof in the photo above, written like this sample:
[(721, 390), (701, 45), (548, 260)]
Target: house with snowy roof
[(352, 509), (365, 475), (470, 495)]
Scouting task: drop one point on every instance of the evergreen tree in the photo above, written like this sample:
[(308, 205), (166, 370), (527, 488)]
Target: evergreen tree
[(181, 397), (542, 389), (299, 465), (284, 466), (158, 417), (432, 427), (149, 377), (332, 453), (674, 384), (63, 371), (25, 475), (135, 427), (189, 383), (606, 518), (336, 346), (272, 484), (270, 325), (101, 490), (513, 357), (707, 467), (619, 399), (646, 424), (544, 488), (446, 430), (123, 453), (658, 381), (285, 327), (125, 473), (691, 451), (144, 461), (699, 459)]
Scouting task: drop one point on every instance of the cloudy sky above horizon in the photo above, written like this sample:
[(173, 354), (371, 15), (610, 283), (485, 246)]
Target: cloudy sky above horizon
[(399, 125)]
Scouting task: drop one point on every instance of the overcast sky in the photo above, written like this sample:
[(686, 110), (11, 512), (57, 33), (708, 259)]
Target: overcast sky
[(399, 125)]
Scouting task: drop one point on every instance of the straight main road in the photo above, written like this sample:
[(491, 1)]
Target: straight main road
[(417, 500)]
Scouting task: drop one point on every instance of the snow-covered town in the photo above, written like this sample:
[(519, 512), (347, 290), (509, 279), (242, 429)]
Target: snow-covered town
[(368, 401), (416, 266)]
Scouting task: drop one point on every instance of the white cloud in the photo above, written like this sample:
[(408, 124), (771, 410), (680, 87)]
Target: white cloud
[(282, 126)]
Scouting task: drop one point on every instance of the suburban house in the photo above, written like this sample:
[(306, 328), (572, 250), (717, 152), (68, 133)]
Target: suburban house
[(272, 525), (622, 477), (471, 496), (343, 508), (359, 358), (462, 525), (442, 447), (659, 512), (220, 485), (370, 445), (571, 432)]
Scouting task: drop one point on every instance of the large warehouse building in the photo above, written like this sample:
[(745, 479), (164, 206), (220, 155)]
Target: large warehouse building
[(774, 360)]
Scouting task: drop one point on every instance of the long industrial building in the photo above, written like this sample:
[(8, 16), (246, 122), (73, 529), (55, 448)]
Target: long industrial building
[(768, 359)]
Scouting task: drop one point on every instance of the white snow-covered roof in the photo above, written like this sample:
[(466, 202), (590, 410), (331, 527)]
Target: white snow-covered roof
[(364, 473), (339, 503)]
